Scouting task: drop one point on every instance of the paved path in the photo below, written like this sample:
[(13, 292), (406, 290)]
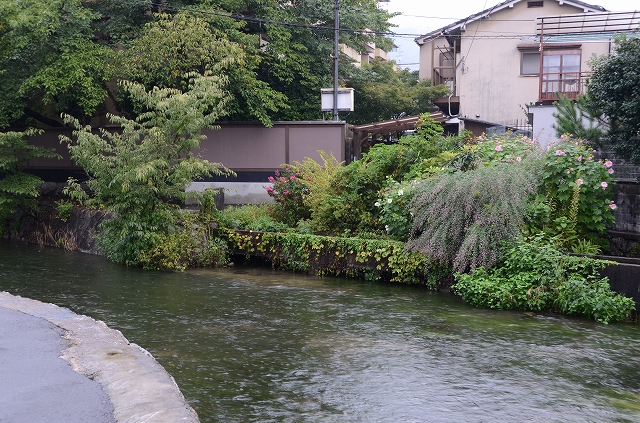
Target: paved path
[(36, 384), (60, 367)]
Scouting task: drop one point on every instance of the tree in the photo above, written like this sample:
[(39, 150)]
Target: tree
[(298, 46), (48, 62), (614, 88), (173, 46), (140, 173), (579, 118), (382, 92), (18, 189)]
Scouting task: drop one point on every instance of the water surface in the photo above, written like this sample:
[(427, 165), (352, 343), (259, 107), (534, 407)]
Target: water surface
[(257, 345)]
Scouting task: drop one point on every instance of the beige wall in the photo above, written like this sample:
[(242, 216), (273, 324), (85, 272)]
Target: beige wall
[(491, 87), (254, 147), (242, 146)]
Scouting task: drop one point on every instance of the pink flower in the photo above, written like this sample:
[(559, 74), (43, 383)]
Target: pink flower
[(560, 153), (292, 178), (611, 170), (286, 192), (613, 206), (518, 159), (568, 172), (579, 181), (604, 185), (579, 158), (499, 147), (271, 179), (480, 138), (595, 151), (589, 158), (282, 179), (269, 190), (608, 163)]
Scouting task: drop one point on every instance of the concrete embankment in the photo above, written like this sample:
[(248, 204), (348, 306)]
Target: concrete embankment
[(137, 386)]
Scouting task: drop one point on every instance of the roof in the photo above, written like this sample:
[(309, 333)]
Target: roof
[(459, 25), (395, 125)]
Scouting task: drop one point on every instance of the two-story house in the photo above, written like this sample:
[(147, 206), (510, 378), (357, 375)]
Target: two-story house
[(499, 61)]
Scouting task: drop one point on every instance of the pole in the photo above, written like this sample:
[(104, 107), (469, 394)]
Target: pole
[(336, 51)]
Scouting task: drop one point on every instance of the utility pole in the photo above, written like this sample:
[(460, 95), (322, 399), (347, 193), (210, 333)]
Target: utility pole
[(336, 51)]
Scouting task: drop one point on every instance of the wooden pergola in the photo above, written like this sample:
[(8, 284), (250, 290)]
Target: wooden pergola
[(373, 131)]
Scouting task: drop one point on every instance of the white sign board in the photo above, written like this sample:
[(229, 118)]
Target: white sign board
[(345, 99)]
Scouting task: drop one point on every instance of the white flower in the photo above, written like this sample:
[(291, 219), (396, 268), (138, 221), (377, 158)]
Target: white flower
[(386, 228), (400, 192), (389, 200), (377, 204)]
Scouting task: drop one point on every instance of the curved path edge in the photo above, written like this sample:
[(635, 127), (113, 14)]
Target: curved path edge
[(139, 388)]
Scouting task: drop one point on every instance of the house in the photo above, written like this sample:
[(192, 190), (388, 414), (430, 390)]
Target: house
[(515, 54)]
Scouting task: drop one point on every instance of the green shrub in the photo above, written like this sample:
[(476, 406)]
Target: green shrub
[(288, 191), (535, 275), (577, 194), (250, 217), (139, 174), (394, 213), (185, 248), (349, 203), (460, 219)]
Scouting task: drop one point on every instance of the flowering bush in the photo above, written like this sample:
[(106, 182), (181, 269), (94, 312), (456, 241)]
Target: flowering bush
[(577, 189), (289, 191), (394, 213), (504, 148)]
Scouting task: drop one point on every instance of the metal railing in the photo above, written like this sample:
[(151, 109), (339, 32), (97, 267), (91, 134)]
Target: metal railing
[(569, 84)]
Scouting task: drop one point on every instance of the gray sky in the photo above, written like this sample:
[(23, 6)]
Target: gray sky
[(419, 17)]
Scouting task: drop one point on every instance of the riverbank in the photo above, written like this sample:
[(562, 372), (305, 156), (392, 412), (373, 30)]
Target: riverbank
[(359, 258), (120, 381)]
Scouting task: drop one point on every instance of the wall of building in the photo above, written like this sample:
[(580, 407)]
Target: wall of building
[(251, 150)]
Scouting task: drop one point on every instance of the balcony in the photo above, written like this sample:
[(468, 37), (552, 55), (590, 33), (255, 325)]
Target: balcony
[(569, 84)]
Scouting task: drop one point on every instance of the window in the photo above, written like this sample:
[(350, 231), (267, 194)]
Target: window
[(561, 72), (531, 4), (530, 63)]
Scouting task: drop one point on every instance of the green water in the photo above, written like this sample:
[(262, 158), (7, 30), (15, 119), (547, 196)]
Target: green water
[(256, 345)]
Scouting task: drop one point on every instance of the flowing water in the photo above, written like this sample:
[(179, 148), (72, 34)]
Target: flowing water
[(257, 345)]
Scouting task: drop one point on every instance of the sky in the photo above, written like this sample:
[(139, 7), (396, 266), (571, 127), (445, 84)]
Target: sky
[(419, 17)]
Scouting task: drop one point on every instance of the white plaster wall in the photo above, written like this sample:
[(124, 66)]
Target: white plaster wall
[(236, 193), (543, 122)]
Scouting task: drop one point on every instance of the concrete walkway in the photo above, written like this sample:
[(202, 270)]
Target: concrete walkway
[(57, 366)]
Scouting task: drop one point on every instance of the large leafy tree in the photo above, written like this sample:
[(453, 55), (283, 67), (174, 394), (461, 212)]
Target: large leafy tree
[(614, 88), (48, 62), (58, 55), (141, 171), (382, 92), (173, 46), (297, 46)]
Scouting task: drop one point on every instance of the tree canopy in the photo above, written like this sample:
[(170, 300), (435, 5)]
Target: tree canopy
[(614, 88), (382, 92), (64, 56)]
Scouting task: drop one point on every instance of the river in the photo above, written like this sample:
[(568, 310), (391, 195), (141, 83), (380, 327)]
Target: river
[(258, 345)]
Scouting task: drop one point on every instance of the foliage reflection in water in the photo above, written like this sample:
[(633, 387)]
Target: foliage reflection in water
[(261, 345)]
